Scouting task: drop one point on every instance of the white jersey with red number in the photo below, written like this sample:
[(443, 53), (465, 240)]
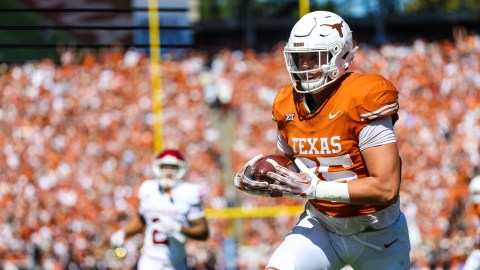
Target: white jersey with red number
[(327, 140), (183, 203)]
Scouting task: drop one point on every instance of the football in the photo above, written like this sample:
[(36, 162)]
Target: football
[(262, 167)]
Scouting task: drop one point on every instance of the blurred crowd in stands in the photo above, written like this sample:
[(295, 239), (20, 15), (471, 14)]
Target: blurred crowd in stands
[(77, 138)]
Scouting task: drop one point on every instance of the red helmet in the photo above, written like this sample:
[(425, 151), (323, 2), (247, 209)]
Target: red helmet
[(169, 167)]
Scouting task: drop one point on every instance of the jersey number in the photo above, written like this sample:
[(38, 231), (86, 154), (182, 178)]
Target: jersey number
[(322, 164), (158, 238)]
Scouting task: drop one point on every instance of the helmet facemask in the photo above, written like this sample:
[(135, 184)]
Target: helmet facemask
[(308, 68)]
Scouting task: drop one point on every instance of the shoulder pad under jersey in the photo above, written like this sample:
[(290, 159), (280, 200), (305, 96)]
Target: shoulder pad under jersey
[(373, 97), (188, 192), (283, 102), (147, 186)]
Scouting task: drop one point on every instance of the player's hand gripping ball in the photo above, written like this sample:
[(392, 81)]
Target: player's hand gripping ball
[(262, 167)]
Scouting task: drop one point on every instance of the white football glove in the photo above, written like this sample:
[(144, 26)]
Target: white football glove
[(172, 228), (118, 238), (306, 184), (294, 184), (245, 182), (169, 225)]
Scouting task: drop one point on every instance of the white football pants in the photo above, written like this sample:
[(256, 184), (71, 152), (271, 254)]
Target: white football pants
[(310, 247)]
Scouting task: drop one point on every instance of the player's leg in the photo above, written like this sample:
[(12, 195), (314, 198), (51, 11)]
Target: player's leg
[(149, 263), (180, 265), (387, 249), (306, 247)]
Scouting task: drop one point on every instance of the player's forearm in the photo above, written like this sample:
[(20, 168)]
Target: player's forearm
[(197, 230), (194, 233), (371, 190), (134, 226)]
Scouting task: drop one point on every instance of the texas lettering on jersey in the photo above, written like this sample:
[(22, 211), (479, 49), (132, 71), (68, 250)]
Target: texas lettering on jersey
[(327, 140), (316, 146)]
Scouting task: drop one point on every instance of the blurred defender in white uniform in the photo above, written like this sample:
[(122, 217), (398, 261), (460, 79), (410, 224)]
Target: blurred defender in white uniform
[(170, 210), (473, 260)]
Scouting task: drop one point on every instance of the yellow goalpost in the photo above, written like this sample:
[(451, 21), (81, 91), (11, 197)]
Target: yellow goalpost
[(156, 81), (303, 7), (257, 212)]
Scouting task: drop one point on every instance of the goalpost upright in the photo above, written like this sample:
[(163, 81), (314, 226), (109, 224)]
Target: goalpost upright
[(155, 76)]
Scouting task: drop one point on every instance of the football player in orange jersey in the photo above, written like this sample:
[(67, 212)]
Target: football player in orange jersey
[(338, 128), (473, 260), (169, 211)]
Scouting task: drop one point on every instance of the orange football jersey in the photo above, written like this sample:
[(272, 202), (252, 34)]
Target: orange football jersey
[(327, 140)]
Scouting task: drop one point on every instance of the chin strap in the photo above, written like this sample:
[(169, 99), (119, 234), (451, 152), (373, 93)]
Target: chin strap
[(350, 57)]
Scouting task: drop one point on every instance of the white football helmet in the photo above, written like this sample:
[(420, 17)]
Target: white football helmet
[(169, 168), (319, 51), (474, 190)]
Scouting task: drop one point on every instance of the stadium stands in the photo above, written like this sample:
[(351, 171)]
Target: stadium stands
[(76, 139)]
